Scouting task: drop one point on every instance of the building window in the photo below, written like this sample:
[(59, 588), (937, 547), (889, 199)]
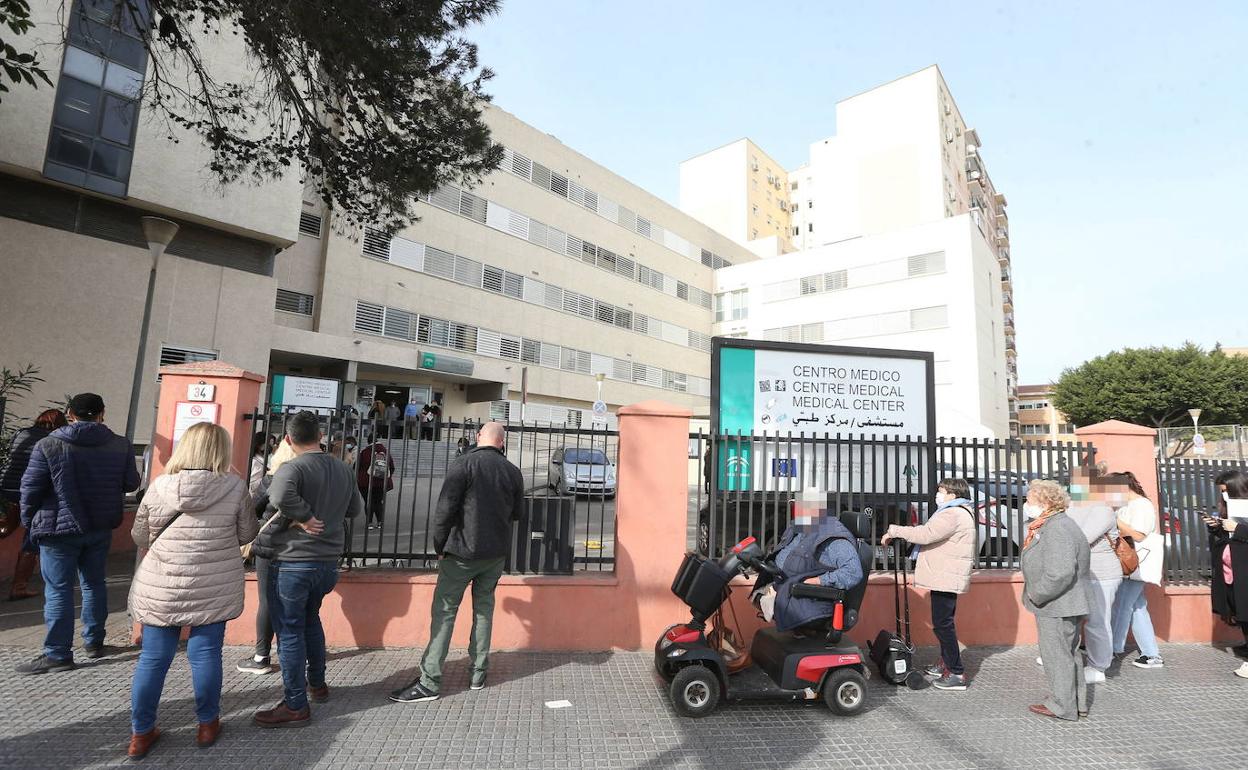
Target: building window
[(95, 115), (1027, 405), (810, 204), (797, 231), (732, 305), (310, 224), (294, 302), (171, 355), (810, 228), (1033, 430), (1066, 427)]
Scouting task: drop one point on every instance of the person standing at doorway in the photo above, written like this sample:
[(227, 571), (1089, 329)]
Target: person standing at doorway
[(318, 492), (392, 415), (482, 494), (72, 497)]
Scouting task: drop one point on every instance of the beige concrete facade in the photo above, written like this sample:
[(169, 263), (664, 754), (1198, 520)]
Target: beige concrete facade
[(741, 191), (1038, 419), (638, 313)]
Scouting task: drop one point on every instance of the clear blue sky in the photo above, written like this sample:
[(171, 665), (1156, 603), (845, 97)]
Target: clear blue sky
[(1117, 130)]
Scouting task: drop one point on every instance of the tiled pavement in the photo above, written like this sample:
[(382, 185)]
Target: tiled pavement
[(1192, 714)]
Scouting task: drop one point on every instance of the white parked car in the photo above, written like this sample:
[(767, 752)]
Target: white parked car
[(581, 471)]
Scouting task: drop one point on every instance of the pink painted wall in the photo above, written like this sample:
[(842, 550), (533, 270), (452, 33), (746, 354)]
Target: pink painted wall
[(629, 608)]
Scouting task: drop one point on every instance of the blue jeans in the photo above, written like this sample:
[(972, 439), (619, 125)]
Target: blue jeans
[(1131, 611), (61, 558), (160, 644), (296, 589)]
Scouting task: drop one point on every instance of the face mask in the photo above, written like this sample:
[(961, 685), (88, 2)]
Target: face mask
[(1226, 497), (1032, 511), (942, 498)]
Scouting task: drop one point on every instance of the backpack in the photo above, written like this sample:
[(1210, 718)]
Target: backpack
[(380, 463)]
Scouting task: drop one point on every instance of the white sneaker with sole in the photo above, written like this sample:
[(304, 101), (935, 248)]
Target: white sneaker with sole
[(1094, 676), (1242, 671), (1146, 661)]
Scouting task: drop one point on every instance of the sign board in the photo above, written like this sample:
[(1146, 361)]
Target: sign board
[(798, 392), (600, 410), (1198, 444), (200, 392), (187, 413), (288, 390), (440, 362), (784, 467)]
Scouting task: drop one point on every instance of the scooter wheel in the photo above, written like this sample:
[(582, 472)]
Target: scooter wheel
[(695, 691), (845, 692)]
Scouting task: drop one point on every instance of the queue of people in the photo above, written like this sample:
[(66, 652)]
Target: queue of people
[(290, 514)]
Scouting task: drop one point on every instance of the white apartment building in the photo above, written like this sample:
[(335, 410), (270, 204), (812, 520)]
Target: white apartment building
[(551, 273), (929, 287), (902, 158)]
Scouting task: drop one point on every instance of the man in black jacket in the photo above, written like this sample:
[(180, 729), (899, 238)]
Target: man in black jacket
[(481, 495)]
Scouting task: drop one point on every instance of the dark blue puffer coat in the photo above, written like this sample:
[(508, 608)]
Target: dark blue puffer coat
[(76, 481)]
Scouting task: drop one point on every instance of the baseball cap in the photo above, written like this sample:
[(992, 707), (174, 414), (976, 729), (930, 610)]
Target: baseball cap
[(86, 406)]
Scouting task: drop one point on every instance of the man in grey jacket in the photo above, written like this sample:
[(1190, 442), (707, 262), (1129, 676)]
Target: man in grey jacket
[(315, 494), (481, 495), (1055, 566)]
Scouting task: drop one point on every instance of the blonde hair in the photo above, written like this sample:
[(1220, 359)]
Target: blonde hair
[(1049, 495), (204, 447), (284, 453)]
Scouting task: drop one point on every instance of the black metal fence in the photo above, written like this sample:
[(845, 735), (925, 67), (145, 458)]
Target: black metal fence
[(746, 483), (568, 522), (1187, 492)]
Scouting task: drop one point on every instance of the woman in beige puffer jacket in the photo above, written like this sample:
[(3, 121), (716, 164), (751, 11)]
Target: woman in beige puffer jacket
[(946, 556), (191, 523)]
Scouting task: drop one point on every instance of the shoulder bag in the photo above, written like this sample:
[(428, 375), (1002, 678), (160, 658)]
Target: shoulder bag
[(1124, 549)]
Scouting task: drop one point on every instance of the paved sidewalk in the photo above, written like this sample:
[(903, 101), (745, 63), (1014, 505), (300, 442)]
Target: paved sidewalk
[(1190, 715)]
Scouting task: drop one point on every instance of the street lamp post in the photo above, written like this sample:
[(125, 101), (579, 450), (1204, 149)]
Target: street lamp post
[(159, 233), (1198, 441)]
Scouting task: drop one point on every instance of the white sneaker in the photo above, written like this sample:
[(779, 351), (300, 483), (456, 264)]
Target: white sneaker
[(1039, 661), (1242, 671), (1094, 676)]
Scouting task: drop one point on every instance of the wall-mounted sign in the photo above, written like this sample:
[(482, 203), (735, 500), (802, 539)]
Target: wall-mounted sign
[(440, 362), (200, 391), (287, 391), (186, 414)]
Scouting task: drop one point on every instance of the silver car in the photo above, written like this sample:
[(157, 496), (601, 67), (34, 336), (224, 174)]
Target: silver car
[(581, 471)]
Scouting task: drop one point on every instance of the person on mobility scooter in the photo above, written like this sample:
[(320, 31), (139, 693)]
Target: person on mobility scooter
[(805, 655)]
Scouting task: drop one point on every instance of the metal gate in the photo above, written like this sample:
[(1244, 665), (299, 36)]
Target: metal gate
[(747, 482), (1187, 491), (568, 522)]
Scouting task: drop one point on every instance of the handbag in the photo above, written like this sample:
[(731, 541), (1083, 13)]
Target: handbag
[(246, 548), (10, 518), (1124, 549)]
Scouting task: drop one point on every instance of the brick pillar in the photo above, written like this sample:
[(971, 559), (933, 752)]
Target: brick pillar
[(1125, 447), (651, 512), (236, 393)]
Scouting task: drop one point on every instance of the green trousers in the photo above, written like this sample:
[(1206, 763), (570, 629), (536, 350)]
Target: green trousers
[(454, 575)]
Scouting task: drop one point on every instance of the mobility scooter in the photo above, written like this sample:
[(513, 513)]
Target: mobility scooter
[(786, 666)]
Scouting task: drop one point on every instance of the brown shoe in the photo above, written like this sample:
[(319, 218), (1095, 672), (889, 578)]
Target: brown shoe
[(319, 694), (208, 733), (25, 568), (1042, 710), (141, 743), (282, 715)]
